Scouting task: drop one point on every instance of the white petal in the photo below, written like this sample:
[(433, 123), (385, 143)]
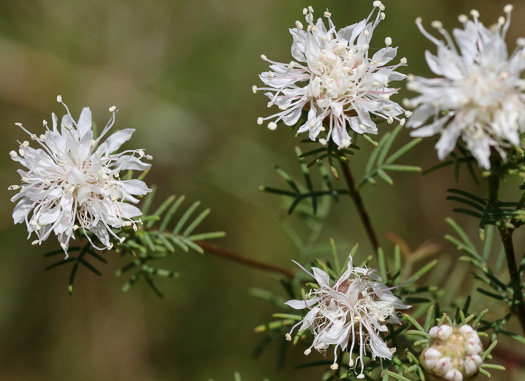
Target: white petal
[(50, 216), (129, 211), (420, 115), (378, 346), (67, 122), (135, 187), (84, 122), (102, 234), (115, 141), (130, 162), (300, 304), (22, 209), (431, 129), (447, 141), (321, 277)]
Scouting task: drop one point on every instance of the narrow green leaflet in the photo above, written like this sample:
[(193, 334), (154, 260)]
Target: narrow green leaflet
[(499, 213), (381, 160), (169, 228), (299, 192)]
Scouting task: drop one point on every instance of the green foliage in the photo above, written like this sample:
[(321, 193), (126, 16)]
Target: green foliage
[(381, 160), (78, 260), (379, 163), (490, 277), (513, 166), (499, 213), (161, 232), (329, 152), (458, 158), (299, 192)]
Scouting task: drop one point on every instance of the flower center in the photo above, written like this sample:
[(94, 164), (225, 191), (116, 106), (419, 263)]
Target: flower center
[(333, 73), (487, 89)]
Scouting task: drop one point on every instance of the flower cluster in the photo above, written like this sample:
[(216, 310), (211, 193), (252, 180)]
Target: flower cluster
[(72, 181), (478, 94), (334, 79), (453, 353), (352, 311)]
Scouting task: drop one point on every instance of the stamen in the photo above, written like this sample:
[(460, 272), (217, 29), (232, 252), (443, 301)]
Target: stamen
[(462, 19)]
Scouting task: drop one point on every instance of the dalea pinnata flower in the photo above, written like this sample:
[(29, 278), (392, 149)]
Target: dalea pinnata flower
[(453, 353), (71, 181), (478, 94), (352, 313), (334, 78)]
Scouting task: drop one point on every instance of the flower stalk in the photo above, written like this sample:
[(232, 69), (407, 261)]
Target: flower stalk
[(360, 206), (248, 262), (506, 233)]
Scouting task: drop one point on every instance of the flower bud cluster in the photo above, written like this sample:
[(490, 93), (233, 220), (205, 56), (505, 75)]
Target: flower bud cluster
[(453, 353)]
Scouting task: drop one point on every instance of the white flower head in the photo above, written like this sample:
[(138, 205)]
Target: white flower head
[(352, 312), (71, 180), (335, 78), (477, 94)]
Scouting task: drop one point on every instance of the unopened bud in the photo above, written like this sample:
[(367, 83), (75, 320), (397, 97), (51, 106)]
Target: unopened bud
[(453, 353)]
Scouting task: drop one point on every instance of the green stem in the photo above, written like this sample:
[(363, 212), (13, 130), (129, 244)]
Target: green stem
[(505, 232), (519, 303), (358, 202)]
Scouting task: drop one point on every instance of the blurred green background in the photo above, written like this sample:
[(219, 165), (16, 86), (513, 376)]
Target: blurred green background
[(180, 73)]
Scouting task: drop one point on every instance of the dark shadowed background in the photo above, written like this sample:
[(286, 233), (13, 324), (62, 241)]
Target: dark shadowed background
[(180, 73)]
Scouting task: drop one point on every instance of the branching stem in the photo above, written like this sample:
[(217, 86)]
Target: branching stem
[(505, 233), (231, 256), (360, 206)]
